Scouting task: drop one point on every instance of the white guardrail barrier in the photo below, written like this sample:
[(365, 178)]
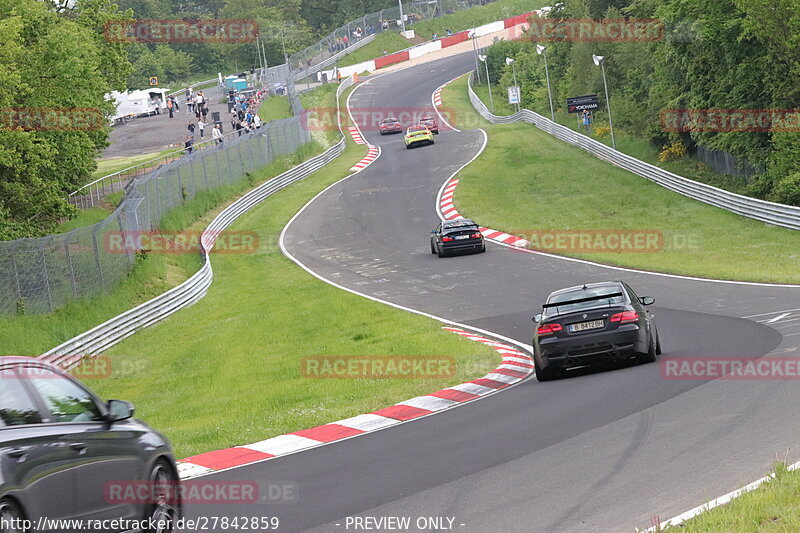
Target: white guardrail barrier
[(109, 333), (787, 216)]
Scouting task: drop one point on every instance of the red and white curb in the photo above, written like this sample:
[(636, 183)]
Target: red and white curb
[(449, 212), (356, 133), (437, 96), (515, 367), (373, 154)]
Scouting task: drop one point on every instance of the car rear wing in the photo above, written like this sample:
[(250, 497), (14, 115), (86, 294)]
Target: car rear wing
[(581, 300)]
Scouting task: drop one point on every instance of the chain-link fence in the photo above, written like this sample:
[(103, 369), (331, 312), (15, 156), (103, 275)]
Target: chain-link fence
[(41, 275), (725, 163)]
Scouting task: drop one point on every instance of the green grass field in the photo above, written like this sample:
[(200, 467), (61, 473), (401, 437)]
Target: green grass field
[(275, 108), (549, 185), (110, 165), (460, 20)]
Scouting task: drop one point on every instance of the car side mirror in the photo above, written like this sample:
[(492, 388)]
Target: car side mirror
[(537, 318), (647, 300), (119, 410)]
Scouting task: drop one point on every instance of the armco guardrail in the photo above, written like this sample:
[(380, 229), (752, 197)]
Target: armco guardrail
[(787, 216), (109, 333)]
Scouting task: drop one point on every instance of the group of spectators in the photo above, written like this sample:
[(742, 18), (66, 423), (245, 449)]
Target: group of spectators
[(196, 103), (244, 117)]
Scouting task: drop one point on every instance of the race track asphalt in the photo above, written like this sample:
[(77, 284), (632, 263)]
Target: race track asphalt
[(599, 451)]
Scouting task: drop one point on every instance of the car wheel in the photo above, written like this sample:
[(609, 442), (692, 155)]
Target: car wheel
[(432, 142), (650, 356), (433, 248), (408, 147), (164, 507), (440, 252), (543, 374), (483, 248), (10, 516), (658, 345)]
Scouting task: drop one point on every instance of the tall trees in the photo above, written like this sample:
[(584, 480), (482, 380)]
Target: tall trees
[(51, 61)]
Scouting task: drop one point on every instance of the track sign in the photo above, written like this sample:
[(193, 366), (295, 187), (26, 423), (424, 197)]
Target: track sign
[(513, 95), (578, 104), (153, 81)]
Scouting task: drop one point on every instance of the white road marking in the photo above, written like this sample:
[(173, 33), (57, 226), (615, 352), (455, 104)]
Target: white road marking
[(784, 315)]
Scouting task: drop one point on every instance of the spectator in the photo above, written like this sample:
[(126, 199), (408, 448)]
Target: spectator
[(188, 144), (234, 120), (201, 126), (239, 127), (257, 121), (587, 120), (170, 106), (190, 127), (216, 134)]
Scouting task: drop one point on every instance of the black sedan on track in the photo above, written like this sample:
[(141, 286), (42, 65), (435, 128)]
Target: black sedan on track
[(66, 454), (459, 235), (593, 324)]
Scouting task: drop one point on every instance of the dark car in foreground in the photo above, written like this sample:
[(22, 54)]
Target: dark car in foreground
[(593, 324), (390, 125), (459, 235), (431, 123), (66, 454)]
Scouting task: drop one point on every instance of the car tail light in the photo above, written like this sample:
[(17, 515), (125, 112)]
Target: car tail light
[(548, 329), (625, 317), (475, 235), (447, 239)]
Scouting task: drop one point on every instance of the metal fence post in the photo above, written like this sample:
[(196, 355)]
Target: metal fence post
[(47, 281), (16, 275), (71, 266), (97, 256)]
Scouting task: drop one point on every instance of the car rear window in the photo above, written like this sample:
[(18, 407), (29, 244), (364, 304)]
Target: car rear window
[(584, 293), (460, 229)]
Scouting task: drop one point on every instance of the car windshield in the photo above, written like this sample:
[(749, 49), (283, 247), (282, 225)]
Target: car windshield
[(613, 293)]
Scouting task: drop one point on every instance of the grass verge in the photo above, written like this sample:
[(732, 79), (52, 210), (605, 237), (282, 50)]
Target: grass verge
[(773, 506), (110, 165), (240, 348), (549, 185), (391, 42), (275, 108)]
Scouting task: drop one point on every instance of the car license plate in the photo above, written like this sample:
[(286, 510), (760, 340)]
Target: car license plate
[(462, 237), (583, 326)]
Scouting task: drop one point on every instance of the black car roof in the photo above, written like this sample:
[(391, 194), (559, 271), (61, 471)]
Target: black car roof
[(596, 285)]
